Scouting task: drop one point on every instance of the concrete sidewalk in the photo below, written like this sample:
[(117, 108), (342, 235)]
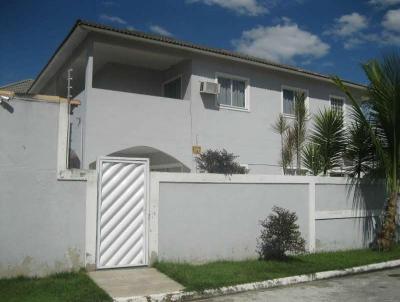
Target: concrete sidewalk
[(129, 282)]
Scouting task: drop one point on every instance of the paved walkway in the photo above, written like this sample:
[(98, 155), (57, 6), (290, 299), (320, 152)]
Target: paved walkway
[(119, 283), (382, 286)]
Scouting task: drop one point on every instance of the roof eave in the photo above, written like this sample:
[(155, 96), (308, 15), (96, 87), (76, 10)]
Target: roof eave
[(219, 53)]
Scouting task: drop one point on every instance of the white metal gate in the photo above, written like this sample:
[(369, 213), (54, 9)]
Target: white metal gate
[(122, 207)]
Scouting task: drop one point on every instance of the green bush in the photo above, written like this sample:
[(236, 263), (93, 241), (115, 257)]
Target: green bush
[(280, 235), (221, 162)]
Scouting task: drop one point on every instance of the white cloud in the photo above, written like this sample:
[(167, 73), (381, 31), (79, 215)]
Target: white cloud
[(113, 19), (351, 29), (348, 25), (391, 20), (389, 38), (384, 2), (241, 7), (361, 38), (282, 43), (160, 30)]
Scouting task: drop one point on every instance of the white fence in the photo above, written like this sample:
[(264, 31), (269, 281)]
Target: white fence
[(205, 217)]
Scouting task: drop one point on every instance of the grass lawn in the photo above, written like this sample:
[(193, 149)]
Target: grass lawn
[(63, 287), (223, 273)]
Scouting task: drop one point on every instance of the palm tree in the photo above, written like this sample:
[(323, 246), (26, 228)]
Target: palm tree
[(329, 135), (288, 149), (359, 150), (299, 127), (281, 126), (292, 136), (312, 158), (383, 127)]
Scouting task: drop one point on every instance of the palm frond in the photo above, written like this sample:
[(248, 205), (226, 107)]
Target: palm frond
[(312, 160), (359, 150), (329, 135)]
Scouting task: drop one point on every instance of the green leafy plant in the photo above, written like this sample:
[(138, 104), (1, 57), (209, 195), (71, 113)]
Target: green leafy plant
[(292, 136), (329, 135), (219, 161), (360, 153), (383, 127), (281, 127), (299, 127), (312, 159), (288, 150), (280, 235)]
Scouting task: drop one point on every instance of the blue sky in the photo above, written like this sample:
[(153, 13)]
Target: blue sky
[(330, 37)]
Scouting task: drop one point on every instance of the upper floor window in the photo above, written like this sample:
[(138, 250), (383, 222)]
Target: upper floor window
[(232, 92), (289, 99), (337, 104), (173, 88)]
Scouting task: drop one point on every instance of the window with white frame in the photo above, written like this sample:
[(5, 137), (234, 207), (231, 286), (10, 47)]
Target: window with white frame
[(289, 99), (337, 104), (173, 88), (232, 92)]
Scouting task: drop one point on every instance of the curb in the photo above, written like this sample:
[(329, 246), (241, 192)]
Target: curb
[(234, 289)]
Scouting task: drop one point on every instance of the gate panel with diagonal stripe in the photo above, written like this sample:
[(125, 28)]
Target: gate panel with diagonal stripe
[(122, 200)]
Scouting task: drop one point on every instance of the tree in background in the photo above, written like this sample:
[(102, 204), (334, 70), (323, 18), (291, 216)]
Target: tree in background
[(359, 153), (299, 127), (292, 136), (281, 127), (383, 126), (219, 161), (312, 159), (329, 135)]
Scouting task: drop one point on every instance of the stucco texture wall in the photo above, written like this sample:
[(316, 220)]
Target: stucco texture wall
[(42, 227), (116, 121), (206, 217), (211, 221), (122, 112), (250, 134), (347, 232)]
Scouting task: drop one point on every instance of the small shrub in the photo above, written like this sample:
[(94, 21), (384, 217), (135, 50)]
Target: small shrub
[(222, 162), (279, 235)]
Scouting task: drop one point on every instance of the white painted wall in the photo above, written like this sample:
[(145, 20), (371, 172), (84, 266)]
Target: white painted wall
[(117, 120), (208, 217), (42, 220), (249, 134)]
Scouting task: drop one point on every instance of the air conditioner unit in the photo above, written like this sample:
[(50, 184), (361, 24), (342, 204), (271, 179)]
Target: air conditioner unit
[(209, 88)]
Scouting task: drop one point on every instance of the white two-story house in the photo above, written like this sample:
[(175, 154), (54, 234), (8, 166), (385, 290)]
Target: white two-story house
[(144, 95)]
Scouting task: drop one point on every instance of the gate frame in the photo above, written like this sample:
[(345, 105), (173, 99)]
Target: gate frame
[(115, 159)]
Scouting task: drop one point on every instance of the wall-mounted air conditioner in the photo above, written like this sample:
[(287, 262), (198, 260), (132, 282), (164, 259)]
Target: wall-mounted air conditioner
[(209, 88)]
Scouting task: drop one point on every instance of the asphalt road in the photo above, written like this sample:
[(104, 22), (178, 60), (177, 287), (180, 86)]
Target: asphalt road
[(382, 286)]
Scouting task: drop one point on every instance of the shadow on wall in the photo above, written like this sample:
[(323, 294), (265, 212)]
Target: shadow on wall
[(7, 106), (159, 160), (209, 101), (369, 196)]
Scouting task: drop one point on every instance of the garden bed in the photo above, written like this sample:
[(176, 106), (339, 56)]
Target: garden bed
[(225, 273)]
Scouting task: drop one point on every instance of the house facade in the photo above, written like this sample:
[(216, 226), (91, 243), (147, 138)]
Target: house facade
[(140, 96), (82, 150)]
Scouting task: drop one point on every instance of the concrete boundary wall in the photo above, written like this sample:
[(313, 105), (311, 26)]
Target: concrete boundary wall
[(42, 220), (190, 214)]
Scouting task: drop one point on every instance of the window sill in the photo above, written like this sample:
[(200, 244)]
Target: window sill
[(75, 174), (288, 115), (226, 107), (292, 116)]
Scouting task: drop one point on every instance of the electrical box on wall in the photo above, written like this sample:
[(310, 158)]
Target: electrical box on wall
[(196, 149)]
